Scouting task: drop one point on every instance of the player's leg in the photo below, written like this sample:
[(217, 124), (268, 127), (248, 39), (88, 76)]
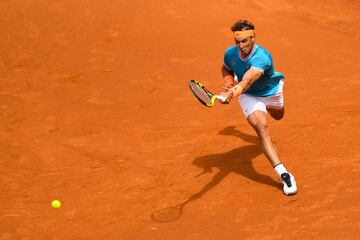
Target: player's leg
[(276, 114), (258, 120), (275, 104), (255, 112)]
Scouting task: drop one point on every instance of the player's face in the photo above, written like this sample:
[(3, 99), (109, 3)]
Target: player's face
[(245, 45)]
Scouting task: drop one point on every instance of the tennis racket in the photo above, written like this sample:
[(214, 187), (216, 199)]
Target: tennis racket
[(202, 94)]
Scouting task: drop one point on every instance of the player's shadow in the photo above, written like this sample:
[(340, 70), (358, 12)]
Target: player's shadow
[(237, 161)]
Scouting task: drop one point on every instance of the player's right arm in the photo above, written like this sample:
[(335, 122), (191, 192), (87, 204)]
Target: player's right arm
[(228, 77), (229, 83)]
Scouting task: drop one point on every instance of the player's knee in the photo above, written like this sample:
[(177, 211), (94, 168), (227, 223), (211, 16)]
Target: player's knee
[(262, 129)]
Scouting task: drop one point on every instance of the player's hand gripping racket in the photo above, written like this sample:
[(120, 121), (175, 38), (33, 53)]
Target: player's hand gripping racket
[(204, 96)]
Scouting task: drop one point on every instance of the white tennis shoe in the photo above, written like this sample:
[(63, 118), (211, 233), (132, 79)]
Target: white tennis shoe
[(289, 184)]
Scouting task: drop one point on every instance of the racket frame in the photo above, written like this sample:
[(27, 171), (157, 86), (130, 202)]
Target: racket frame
[(212, 96)]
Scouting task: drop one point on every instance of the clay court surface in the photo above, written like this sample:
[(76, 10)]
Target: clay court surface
[(96, 112)]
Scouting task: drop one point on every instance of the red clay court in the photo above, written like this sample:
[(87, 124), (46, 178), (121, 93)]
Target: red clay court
[(96, 112)]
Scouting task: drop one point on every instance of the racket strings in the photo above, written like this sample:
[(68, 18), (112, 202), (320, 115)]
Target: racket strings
[(201, 93)]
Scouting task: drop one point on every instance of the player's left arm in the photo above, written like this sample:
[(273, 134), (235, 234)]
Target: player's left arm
[(251, 76)]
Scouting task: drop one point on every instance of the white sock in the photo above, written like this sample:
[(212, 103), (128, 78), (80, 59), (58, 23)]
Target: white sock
[(280, 169)]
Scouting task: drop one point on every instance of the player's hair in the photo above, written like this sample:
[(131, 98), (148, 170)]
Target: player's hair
[(242, 25)]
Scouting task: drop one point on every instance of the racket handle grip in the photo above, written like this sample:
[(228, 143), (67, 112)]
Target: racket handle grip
[(221, 98)]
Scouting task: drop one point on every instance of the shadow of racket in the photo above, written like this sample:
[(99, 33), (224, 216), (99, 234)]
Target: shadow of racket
[(169, 214)]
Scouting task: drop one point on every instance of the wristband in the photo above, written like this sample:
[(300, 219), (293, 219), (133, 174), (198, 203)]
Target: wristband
[(236, 90)]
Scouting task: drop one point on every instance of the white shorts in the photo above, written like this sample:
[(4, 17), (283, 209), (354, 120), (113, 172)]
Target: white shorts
[(250, 103)]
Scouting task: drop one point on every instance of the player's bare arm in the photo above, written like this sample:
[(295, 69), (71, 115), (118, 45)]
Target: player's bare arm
[(249, 78), (228, 77)]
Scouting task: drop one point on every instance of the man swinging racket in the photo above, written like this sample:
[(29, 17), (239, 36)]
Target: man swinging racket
[(248, 74)]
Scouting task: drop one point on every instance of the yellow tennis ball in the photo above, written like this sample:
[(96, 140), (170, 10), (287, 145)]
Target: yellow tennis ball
[(56, 204)]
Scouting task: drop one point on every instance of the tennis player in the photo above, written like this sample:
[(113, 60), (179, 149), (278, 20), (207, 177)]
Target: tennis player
[(249, 75)]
